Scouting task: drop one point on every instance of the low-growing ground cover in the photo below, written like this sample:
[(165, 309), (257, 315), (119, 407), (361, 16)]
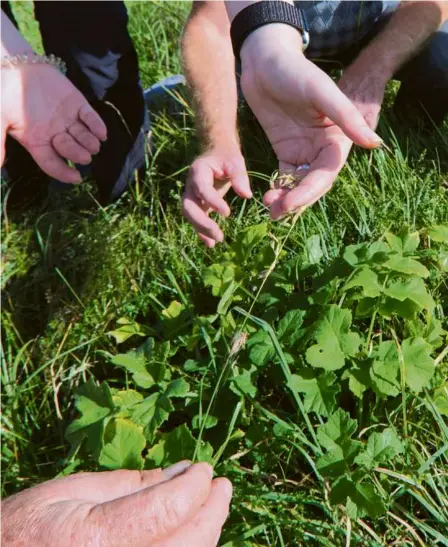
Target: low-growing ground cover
[(306, 359)]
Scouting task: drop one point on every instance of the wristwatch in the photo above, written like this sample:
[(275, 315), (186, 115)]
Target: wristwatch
[(263, 13)]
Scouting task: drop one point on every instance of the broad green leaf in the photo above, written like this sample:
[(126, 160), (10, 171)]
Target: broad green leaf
[(173, 447), (123, 445), (438, 232), (360, 499), (405, 242), (358, 378), (373, 254), (125, 400), (413, 289), (334, 339), (95, 403), (263, 258), (419, 366), (242, 384), (289, 327), (261, 349), (177, 388), (219, 277), (440, 399), (128, 329), (406, 308), (320, 390), (406, 265), (248, 239), (442, 261), (432, 331), (210, 421), (226, 298), (151, 413), (136, 365), (385, 369), (381, 448), (313, 249), (366, 279), (332, 464), (337, 431), (174, 317)]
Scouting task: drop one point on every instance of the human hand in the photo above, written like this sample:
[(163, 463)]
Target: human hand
[(210, 177), (180, 506), (365, 89), (44, 112), (306, 117)]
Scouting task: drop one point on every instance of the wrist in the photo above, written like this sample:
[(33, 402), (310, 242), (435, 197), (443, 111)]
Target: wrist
[(269, 40), (222, 146)]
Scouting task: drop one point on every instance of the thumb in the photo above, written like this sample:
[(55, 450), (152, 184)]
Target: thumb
[(332, 102), (151, 514)]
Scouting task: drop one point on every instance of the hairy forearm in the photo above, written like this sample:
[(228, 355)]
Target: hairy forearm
[(408, 29), (209, 67), (12, 42)]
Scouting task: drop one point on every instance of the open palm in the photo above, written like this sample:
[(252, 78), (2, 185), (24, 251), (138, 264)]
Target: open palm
[(307, 120), (44, 112)]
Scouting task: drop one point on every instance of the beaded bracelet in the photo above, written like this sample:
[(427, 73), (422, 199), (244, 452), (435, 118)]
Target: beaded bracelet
[(33, 59)]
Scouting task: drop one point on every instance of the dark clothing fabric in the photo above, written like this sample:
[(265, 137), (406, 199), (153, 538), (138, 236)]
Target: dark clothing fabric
[(93, 39)]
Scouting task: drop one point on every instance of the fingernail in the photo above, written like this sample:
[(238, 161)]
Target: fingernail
[(371, 135), (176, 469)]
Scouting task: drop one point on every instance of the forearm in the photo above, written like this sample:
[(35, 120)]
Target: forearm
[(12, 42), (408, 29), (209, 67)]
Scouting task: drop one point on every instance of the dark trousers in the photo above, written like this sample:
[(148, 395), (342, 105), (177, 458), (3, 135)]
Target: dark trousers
[(93, 39)]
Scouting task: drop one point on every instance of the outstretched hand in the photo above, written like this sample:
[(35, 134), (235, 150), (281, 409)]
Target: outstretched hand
[(178, 507), (306, 117), (44, 112)]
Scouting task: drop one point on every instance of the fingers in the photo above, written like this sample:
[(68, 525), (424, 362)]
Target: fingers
[(323, 173), (93, 121), (67, 147), (105, 486), (200, 221), (205, 528), (2, 144), (333, 103), (84, 137), (142, 518), (52, 164), (201, 179), (239, 180)]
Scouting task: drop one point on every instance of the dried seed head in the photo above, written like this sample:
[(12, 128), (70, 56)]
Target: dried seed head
[(238, 342)]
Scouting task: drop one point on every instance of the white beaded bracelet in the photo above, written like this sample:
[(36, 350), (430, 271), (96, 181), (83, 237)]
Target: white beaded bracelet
[(13, 61)]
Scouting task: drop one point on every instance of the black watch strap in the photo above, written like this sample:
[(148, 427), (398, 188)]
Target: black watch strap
[(263, 13)]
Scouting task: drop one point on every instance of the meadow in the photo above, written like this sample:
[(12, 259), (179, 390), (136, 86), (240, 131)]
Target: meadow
[(306, 358)]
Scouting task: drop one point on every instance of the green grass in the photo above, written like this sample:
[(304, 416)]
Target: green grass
[(69, 273)]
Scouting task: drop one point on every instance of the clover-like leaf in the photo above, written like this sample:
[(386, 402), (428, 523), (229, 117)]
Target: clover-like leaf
[(334, 339), (320, 390), (123, 445), (381, 448)]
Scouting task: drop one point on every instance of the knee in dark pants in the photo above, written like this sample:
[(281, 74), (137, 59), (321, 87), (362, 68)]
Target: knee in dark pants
[(424, 89)]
